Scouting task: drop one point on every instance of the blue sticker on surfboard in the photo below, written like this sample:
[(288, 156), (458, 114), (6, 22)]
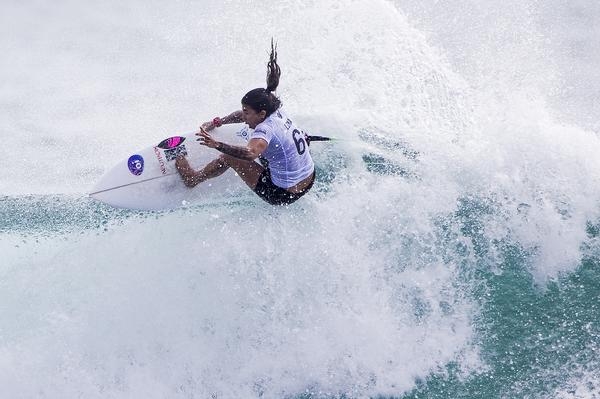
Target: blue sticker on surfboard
[(135, 163)]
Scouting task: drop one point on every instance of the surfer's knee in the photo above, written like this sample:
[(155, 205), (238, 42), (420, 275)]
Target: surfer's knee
[(228, 159), (232, 162)]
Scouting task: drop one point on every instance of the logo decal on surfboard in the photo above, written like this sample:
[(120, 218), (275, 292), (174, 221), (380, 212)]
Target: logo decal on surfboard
[(135, 163), (161, 162), (171, 142), (175, 152), (243, 133)]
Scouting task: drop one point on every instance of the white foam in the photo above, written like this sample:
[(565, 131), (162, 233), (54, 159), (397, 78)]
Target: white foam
[(188, 303)]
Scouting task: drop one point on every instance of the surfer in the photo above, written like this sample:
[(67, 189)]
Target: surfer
[(286, 171)]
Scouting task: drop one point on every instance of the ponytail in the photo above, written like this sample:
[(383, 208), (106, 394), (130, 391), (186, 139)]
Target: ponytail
[(263, 99), (273, 70)]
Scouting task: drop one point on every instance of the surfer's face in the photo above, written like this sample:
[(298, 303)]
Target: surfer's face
[(251, 117)]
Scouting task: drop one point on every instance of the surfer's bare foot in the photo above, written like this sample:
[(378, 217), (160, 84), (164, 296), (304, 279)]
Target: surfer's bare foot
[(188, 175)]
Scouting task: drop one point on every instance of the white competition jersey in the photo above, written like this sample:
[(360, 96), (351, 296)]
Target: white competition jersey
[(287, 151)]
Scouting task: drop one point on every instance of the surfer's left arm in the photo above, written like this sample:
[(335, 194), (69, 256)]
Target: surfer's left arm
[(250, 152)]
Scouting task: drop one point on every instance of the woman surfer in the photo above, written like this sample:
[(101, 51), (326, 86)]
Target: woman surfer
[(286, 171)]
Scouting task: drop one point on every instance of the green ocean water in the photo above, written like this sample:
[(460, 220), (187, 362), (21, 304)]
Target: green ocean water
[(536, 341)]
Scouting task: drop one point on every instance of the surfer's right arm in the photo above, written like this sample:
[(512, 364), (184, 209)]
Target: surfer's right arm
[(234, 117)]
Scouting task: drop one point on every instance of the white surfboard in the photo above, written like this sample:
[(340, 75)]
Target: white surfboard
[(148, 180)]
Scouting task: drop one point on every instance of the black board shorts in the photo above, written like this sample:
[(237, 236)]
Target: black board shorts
[(275, 195)]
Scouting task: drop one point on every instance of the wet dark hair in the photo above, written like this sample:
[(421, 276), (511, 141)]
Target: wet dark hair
[(263, 99)]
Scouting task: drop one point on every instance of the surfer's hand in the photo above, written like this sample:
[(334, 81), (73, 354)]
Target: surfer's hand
[(207, 126), (206, 139)]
